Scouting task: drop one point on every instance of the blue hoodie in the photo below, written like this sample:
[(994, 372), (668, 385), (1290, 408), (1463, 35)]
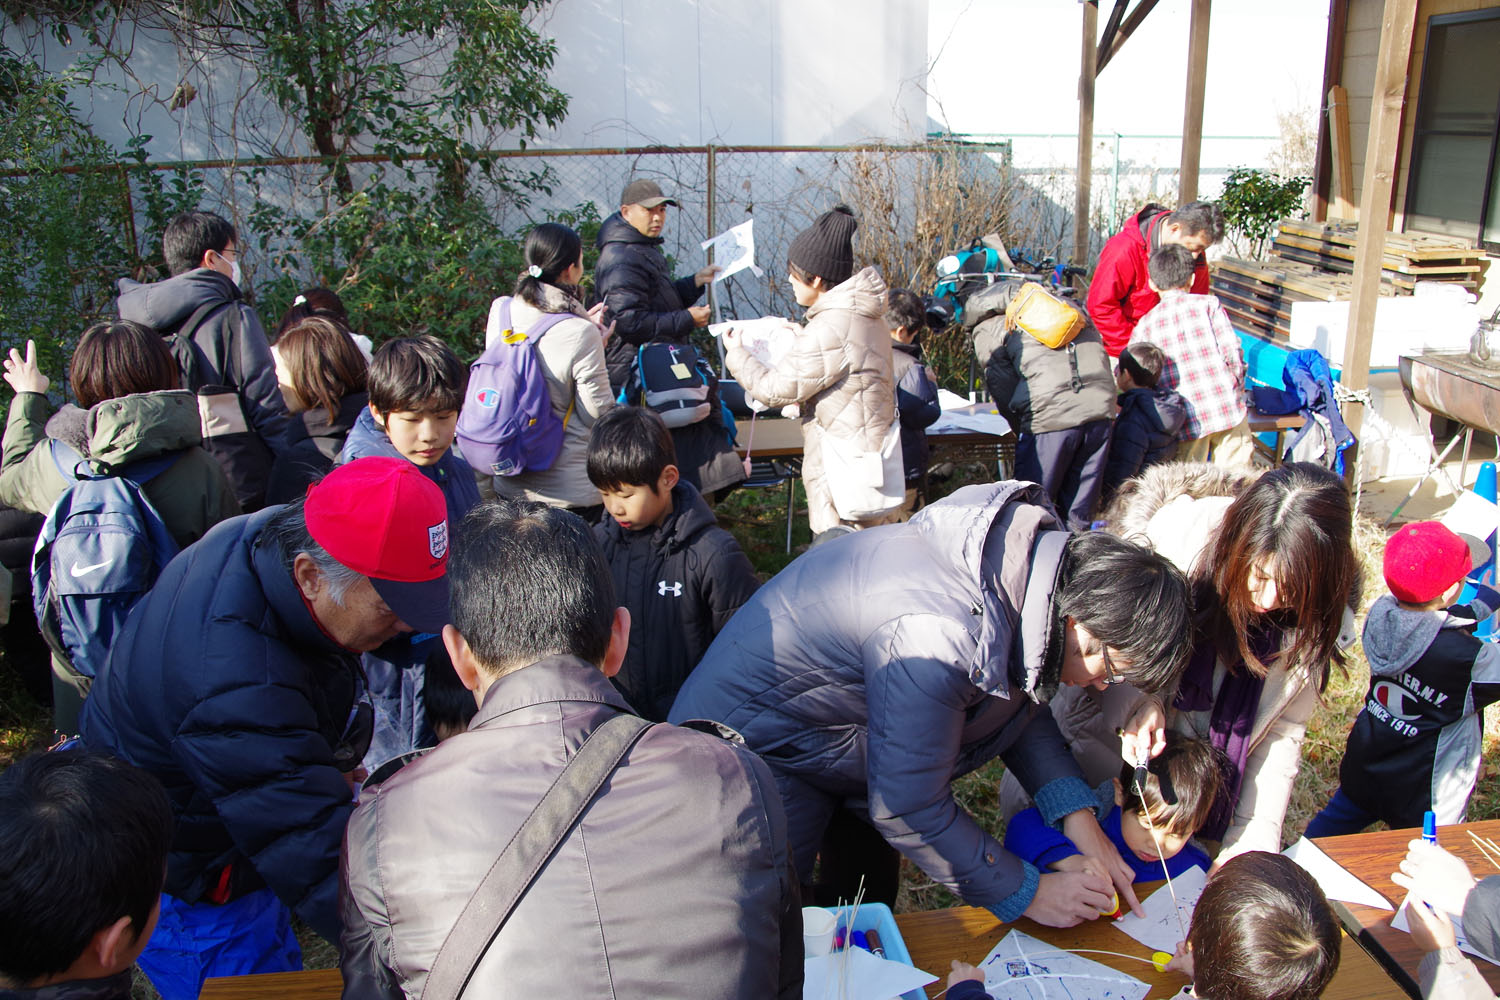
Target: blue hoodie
[(395, 672)]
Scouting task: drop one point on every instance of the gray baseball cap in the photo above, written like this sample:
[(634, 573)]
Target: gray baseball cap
[(646, 193)]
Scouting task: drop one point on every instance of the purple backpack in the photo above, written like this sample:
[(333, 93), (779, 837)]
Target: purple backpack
[(507, 426)]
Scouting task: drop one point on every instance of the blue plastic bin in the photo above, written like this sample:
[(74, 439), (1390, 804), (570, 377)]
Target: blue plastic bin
[(877, 917)]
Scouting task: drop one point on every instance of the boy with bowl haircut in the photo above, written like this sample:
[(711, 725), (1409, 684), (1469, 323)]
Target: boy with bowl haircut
[(416, 387), (1180, 787), (1416, 744), (84, 837), (680, 575)]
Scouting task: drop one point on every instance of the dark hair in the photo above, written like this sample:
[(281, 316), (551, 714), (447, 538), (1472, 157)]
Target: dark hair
[(904, 307), (529, 581), (629, 446), (449, 705), (320, 302), (118, 358), (1144, 361), (1300, 516), (83, 842), (553, 248), (324, 363), (804, 276), (1263, 930), (191, 235), (1132, 600), (1181, 785), (417, 374), (1199, 218), (1171, 266)]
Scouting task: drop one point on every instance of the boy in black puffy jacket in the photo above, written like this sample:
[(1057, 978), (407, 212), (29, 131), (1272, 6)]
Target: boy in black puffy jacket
[(1149, 421), (679, 574)]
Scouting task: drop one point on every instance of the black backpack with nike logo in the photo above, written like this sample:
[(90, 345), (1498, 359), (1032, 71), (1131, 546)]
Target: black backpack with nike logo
[(100, 550)]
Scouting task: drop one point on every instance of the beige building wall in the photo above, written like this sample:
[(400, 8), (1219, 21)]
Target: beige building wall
[(1361, 47)]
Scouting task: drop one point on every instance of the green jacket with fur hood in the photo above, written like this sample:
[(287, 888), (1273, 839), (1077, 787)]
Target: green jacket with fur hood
[(192, 495)]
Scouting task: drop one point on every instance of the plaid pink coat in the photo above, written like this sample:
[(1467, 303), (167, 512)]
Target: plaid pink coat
[(1204, 360)]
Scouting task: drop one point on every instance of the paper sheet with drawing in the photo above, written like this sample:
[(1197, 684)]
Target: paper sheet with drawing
[(1160, 929), (734, 250), (1021, 967)]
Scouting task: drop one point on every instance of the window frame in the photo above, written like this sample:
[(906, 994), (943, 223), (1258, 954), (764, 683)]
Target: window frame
[(1419, 134)]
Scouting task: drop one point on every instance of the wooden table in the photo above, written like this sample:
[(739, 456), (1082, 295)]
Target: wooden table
[(936, 937), (1372, 857), (933, 938), (780, 437)]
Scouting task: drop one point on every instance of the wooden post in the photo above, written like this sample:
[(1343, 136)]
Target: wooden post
[(1085, 186), (1333, 71), (1192, 113), (1341, 206), (1397, 24)]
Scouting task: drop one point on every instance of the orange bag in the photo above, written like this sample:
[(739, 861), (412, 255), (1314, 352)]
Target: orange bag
[(1043, 315)]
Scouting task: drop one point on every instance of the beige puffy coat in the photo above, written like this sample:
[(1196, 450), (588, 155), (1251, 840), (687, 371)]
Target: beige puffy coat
[(572, 357), (839, 371)]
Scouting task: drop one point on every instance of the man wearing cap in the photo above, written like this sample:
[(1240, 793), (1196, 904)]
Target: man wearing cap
[(236, 682), (647, 305)]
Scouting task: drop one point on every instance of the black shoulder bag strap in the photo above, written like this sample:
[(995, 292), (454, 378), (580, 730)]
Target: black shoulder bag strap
[(528, 852)]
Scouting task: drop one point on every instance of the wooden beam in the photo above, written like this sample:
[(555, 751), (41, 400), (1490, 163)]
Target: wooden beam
[(1192, 111), (1112, 26), (1084, 189), (1333, 71), (1341, 155), (1126, 28), (1397, 24)]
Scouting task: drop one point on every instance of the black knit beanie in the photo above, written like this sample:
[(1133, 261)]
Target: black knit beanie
[(826, 248)]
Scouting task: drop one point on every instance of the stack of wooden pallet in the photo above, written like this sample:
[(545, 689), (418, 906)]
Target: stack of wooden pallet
[(1408, 258), (1259, 296)]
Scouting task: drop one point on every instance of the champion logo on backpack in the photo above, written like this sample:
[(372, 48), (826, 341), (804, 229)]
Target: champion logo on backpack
[(662, 588), (487, 398)]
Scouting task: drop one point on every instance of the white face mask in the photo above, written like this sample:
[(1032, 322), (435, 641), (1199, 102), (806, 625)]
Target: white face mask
[(234, 273)]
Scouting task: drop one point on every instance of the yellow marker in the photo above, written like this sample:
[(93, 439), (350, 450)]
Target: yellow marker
[(1160, 960), (1114, 907)]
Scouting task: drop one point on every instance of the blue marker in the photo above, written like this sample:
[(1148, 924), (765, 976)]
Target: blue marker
[(1429, 827)]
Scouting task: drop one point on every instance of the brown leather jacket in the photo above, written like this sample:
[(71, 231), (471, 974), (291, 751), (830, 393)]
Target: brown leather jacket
[(675, 883)]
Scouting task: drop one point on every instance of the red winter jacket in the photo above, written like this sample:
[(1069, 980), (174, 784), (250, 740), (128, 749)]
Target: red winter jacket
[(1120, 293)]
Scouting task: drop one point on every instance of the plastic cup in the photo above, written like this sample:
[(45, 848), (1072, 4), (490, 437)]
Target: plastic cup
[(818, 925)]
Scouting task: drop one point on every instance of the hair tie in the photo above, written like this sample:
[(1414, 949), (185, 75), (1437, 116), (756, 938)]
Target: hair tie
[(534, 271), (300, 300)]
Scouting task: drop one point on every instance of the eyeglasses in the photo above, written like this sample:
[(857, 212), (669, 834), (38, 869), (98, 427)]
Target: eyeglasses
[(227, 252), (1110, 677)]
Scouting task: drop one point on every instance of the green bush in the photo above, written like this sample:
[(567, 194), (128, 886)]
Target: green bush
[(1254, 199)]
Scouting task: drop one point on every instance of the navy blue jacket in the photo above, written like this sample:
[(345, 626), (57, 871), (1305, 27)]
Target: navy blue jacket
[(224, 686), (396, 671), (917, 405), (1145, 434), (681, 583)]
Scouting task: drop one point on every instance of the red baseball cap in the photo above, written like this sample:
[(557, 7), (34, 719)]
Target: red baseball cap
[(1423, 560), (381, 517)]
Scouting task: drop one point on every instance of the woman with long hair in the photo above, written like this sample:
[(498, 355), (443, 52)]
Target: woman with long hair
[(572, 359), (130, 409), (1273, 573), (322, 375)]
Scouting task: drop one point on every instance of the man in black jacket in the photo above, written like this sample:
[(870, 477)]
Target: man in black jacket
[(647, 305), (228, 346)]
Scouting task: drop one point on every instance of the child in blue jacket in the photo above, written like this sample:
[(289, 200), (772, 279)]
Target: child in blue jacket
[(1151, 831), (416, 387)]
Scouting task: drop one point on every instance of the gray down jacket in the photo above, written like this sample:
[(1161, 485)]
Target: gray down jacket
[(880, 666), (1036, 387), (840, 372)]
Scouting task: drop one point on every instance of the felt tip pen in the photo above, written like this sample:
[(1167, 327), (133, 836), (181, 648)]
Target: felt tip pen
[(858, 940), (873, 940), (1429, 827)]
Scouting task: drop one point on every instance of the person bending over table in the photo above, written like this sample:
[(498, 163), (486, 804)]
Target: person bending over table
[(1272, 571), (1445, 885), (877, 668)]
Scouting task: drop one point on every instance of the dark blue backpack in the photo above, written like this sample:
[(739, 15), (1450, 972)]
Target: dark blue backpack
[(100, 550), (507, 426)]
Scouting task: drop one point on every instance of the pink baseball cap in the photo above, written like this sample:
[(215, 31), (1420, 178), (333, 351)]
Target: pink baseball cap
[(1423, 560), (382, 518)]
